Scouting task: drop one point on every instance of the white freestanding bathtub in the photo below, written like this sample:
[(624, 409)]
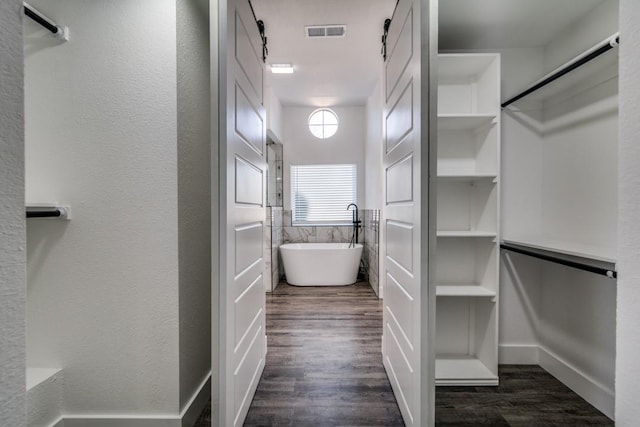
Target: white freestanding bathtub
[(321, 264)]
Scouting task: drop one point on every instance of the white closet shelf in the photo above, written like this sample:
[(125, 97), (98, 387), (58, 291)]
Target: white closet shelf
[(465, 233), (467, 177), (566, 248), (463, 290), (464, 121), (463, 370)]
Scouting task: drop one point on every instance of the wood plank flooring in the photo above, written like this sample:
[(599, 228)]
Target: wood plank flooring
[(528, 396), (324, 368)]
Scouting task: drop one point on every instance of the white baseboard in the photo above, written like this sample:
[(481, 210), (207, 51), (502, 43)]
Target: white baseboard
[(187, 418), (120, 421), (44, 396), (586, 387), (196, 404), (518, 354)]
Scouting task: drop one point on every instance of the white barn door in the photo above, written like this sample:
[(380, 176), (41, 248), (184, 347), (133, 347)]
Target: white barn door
[(409, 209), (242, 132)]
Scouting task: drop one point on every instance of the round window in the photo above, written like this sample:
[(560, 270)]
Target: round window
[(323, 123)]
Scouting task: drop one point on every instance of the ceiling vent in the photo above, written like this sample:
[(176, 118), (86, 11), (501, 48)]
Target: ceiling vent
[(326, 31)]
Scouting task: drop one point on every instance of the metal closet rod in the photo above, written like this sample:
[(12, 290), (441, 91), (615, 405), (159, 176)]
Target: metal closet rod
[(54, 213), (38, 17), (589, 55), (612, 274)]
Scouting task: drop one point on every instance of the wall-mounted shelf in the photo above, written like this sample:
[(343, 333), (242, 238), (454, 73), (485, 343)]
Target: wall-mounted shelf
[(466, 371), (463, 290), (566, 248), (464, 121), (48, 211), (465, 233), (572, 260), (470, 177)]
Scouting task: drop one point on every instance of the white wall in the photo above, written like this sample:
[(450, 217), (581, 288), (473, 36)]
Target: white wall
[(628, 337), (194, 194), (596, 26), (521, 184), (101, 132), (374, 190), (580, 141), (346, 146), (12, 226), (274, 114)]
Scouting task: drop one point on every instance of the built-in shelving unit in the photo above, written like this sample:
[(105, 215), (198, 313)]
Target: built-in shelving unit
[(467, 260)]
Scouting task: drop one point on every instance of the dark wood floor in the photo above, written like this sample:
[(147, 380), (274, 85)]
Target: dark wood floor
[(527, 396), (324, 368)]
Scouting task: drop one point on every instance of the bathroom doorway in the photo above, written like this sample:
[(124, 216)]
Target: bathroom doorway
[(344, 70)]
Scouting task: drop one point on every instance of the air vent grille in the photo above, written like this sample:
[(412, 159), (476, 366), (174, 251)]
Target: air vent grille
[(326, 31)]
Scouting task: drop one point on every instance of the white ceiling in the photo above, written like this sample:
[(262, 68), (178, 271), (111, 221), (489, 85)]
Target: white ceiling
[(487, 24), (344, 71), (328, 72)]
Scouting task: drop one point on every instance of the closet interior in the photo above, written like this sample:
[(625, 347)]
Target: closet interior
[(527, 203)]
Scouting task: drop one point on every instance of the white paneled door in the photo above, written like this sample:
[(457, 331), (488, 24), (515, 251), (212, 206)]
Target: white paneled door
[(409, 209), (242, 339)]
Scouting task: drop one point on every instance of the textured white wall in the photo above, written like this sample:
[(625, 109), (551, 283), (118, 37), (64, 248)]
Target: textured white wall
[(628, 336), (101, 135), (12, 226), (194, 194), (346, 146)]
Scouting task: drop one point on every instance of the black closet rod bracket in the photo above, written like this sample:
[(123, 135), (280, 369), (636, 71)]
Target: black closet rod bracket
[(611, 274), (587, 56), (58, 31)]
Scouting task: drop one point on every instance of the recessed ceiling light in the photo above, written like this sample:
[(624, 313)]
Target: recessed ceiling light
[(282, 68)]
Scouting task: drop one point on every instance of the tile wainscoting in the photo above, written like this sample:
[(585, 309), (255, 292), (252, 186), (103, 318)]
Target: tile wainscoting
[(370, 254), (274, 237), (315, 234)]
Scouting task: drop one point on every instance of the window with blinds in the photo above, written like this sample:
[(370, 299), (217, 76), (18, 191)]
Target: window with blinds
[(320, 194)]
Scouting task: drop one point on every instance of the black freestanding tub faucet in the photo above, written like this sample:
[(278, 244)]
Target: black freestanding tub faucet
[(356, 223)]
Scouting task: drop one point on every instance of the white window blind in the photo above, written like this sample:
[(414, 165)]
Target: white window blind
[(320, 194)]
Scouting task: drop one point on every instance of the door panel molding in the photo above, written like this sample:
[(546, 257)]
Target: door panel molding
[(241, 166), (409, 156)]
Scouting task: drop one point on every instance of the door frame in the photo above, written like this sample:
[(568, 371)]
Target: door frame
[(429, 49)]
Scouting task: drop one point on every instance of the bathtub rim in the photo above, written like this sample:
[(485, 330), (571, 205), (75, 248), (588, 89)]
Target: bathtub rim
[(320, 246)]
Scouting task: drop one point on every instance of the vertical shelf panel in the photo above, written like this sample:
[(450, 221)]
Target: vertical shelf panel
[(467, 261)]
